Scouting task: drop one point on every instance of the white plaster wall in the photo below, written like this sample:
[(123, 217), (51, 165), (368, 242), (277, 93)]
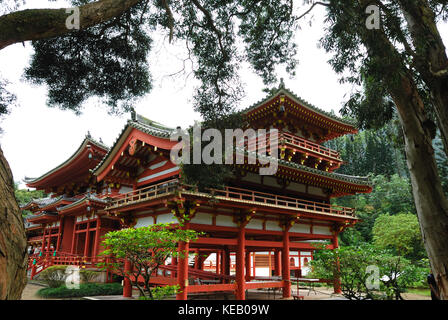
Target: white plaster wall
[(202, 218), (270, 181), (250, 177), (166, 218), (144, 222), (294, 186), (225, 221), (322, 230), (301, 228), (255, 224), (315, 191), (125, 189), (273, 226)]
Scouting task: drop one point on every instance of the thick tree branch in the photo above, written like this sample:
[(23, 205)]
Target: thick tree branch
[(35, 24)]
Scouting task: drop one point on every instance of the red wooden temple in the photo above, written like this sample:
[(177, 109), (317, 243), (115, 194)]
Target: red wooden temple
[(259, 230)]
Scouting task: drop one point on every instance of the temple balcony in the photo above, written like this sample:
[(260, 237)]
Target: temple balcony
[(229, 196), (300, 150)]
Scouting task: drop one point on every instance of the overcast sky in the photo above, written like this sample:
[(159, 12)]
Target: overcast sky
[(37, 138)]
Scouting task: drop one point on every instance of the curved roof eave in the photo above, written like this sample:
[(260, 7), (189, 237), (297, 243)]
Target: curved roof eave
[(281, 89), (85, 142)]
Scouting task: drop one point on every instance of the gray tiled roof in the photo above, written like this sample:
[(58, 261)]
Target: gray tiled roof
[(87, 139), (303, 102), (87, 197), (333, 175), (143, 124)]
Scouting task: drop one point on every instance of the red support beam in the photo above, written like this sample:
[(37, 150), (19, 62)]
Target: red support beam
[(248, 265), (182, 269), (285, 265), (87, 240), (218, 254), (337, 280), (277, 263), (97, 236), (240, 267), (127, 285), (226, 262)]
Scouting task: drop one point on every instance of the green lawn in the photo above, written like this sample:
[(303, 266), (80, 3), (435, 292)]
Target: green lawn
[(423, 292)]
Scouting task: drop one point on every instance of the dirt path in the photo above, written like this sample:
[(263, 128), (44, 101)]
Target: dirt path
[(29, 293)]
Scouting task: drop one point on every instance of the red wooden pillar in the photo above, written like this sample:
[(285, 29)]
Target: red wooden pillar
[(196, 259), (285, 265), (248, 265), (277, 263), (173, 263), (87, 240), (201, 262), (43, 240), (97, 235), (72, 251), (254, 266), (226, 262), (182, 268), (127, 285), (337, 280), (59, 235), (218, 254), (240, 264)]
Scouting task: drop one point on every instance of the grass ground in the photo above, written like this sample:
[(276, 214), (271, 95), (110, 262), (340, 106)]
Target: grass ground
[(421, 292)]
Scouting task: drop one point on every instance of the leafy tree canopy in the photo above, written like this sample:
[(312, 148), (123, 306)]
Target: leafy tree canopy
[(109, 59), (399, 233), (146, 248)]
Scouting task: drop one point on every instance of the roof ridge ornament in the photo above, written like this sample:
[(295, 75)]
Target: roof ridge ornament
[(88, 135), (282, 84), (133, 114)]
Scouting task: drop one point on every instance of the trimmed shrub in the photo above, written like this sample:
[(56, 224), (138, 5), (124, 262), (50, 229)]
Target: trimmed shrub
[(53, 276), (85, 290)]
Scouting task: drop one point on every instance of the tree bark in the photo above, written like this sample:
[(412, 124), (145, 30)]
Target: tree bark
[(430, 58), (429, 198), (35, 24), (13, 256)]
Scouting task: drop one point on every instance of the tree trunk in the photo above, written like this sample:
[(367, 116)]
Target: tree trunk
[(430, 58), (35, 24), (13, 256), (429, 198), (430, 202)]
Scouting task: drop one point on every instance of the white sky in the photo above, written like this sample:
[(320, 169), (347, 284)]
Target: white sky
[(37, 138)]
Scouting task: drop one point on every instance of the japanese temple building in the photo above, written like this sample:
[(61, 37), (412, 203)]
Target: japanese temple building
[(259, 230)]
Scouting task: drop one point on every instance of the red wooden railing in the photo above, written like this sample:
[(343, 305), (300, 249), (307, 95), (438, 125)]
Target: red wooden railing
[(36, 238), (145, 193), (287, 138), (267, 198), (232, 193)]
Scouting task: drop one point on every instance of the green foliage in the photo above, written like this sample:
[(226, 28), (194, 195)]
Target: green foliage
[(146, 248), (24, 196), (53, 276), (372, 152), (396, 273), (85, 290), (160, 293), (213, 175), (88, 275), (353, 262), (389, 196), (399, 233), (109, 60)]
